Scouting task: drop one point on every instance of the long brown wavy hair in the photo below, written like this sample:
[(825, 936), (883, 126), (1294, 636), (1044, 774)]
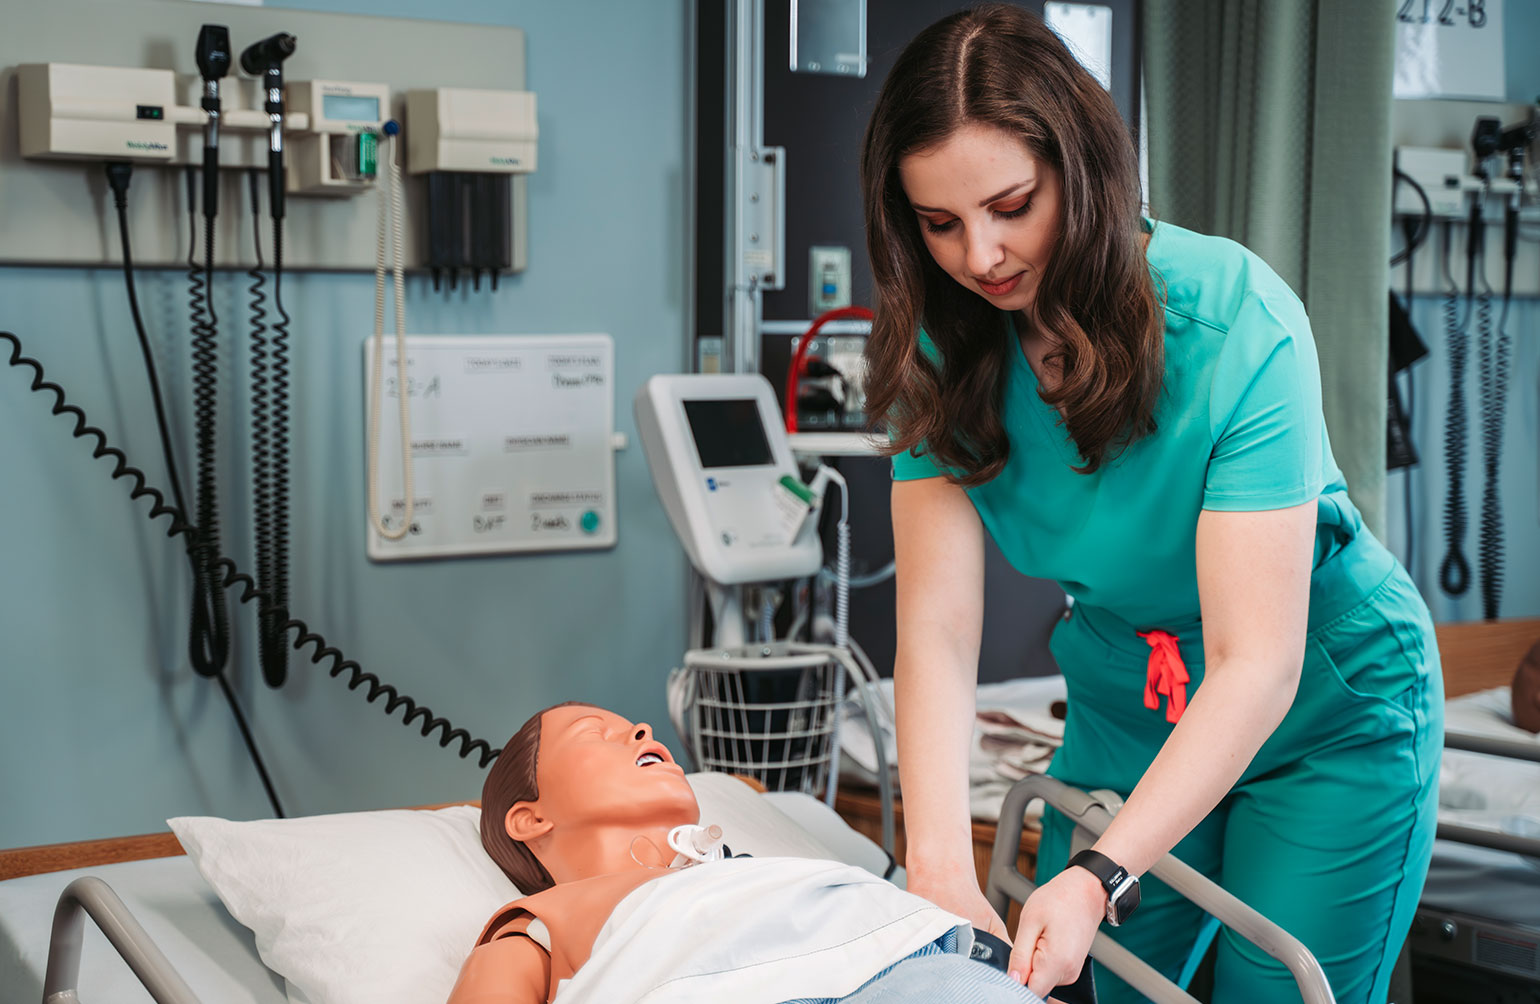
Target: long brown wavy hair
[(1096, 303), (510, 781)]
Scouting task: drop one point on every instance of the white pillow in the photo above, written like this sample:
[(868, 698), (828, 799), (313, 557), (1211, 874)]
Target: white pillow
[(383, 907)]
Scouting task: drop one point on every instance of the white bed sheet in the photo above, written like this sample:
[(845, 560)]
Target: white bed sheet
[(218, 957), (1488, 793)]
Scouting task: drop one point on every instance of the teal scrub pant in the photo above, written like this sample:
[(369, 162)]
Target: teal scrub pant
[(1329, 832)]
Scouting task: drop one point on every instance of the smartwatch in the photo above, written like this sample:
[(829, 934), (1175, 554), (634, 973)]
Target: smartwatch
[(1122, 888)]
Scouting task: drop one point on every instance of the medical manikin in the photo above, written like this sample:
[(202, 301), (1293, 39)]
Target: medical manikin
[(1526, 691), (631, 899)]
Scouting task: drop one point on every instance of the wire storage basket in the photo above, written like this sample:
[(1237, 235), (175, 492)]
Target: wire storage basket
[(772, 711), (768, 711)]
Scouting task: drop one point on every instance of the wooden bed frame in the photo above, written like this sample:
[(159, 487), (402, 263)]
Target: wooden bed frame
[(45, 858), (1476, 656), (1481, 655)]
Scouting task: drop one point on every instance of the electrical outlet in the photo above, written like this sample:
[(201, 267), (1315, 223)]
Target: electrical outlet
[(828, 276)]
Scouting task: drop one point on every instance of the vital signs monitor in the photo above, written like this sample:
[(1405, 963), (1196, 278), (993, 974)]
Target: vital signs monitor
[(717, 447)]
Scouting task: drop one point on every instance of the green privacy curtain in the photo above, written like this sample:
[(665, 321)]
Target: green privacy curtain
[(1269, 123)]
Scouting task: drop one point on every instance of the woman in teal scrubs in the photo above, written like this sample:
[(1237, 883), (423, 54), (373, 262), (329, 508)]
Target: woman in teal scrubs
[(1133, 410)]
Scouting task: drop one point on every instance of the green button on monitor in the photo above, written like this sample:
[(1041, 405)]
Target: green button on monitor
[(590, 522)]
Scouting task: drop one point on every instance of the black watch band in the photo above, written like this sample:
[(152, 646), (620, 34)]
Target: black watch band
[(1122, 888)]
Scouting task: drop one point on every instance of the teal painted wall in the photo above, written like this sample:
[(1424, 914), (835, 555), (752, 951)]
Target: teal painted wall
[(104, 728), (1521, 34)]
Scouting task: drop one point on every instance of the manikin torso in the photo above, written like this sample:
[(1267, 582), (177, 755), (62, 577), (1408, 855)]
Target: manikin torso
[(608, 796)]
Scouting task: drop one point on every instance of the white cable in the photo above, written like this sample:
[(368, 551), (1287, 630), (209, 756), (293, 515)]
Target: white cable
[(390, 205), (841, 561), (886, 719), (770, 602), (803, 596), (866, 581)]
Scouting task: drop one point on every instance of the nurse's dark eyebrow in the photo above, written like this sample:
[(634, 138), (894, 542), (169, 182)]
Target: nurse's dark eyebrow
[(993, 198)]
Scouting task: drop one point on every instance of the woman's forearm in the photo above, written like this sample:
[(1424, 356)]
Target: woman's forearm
[(934, 698), (938, 547), (1229, 718)]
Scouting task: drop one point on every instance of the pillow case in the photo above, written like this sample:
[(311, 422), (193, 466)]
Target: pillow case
[(383, 907)]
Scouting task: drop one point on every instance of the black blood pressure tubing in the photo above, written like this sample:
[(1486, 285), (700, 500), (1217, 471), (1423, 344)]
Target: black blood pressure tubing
[(265, 60)]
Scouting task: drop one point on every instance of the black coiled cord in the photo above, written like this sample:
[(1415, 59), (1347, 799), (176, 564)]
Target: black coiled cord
[(275, 656), (230, 575), (208, 644), (1494, 350), (1454, 572), (210, 613), (269, 642)]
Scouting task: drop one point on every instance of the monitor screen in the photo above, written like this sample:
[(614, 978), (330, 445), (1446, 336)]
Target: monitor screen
[(350, 108), (729, 433)]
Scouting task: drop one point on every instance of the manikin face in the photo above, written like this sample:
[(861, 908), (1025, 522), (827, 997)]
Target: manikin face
[(988, 210), (597, 768)]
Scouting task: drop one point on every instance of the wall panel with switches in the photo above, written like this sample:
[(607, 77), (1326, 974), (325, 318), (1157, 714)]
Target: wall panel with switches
[(131, 89), (828, 279)]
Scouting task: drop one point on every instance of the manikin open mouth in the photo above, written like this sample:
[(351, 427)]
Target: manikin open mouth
[(648, 758)]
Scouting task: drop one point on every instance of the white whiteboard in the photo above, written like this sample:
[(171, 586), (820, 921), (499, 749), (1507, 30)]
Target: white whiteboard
[(512, 444), (1446, 49)]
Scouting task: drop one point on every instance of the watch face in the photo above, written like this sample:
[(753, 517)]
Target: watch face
[(1123, 901)]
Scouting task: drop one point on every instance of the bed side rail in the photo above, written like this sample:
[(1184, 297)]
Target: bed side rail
[(1006, 883), (90, 896), (1512, 749)]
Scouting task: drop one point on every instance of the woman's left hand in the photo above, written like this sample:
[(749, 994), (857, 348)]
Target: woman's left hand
[(1054, 934)]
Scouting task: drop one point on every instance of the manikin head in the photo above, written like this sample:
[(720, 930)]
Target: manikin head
[(1526, 691), (581, 791)]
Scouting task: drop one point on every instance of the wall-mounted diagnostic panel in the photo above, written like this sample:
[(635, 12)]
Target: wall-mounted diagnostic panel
[(513, 445), (327, 100)]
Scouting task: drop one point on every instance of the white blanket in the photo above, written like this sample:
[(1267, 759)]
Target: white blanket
[(755, 931)]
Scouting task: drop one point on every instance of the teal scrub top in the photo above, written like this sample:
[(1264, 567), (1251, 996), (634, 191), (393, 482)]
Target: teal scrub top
[(1239, 428)]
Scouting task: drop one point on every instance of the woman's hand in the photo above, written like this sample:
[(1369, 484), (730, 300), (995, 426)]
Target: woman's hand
[(1054, 934), (956, 890)]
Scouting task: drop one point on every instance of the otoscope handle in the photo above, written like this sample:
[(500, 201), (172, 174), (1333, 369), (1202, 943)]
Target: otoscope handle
[(211, 181), (275, 184), (1475, 241)]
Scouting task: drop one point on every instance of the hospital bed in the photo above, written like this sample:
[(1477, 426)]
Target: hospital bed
[(162, 913), (165, 926), (1476, 935)]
